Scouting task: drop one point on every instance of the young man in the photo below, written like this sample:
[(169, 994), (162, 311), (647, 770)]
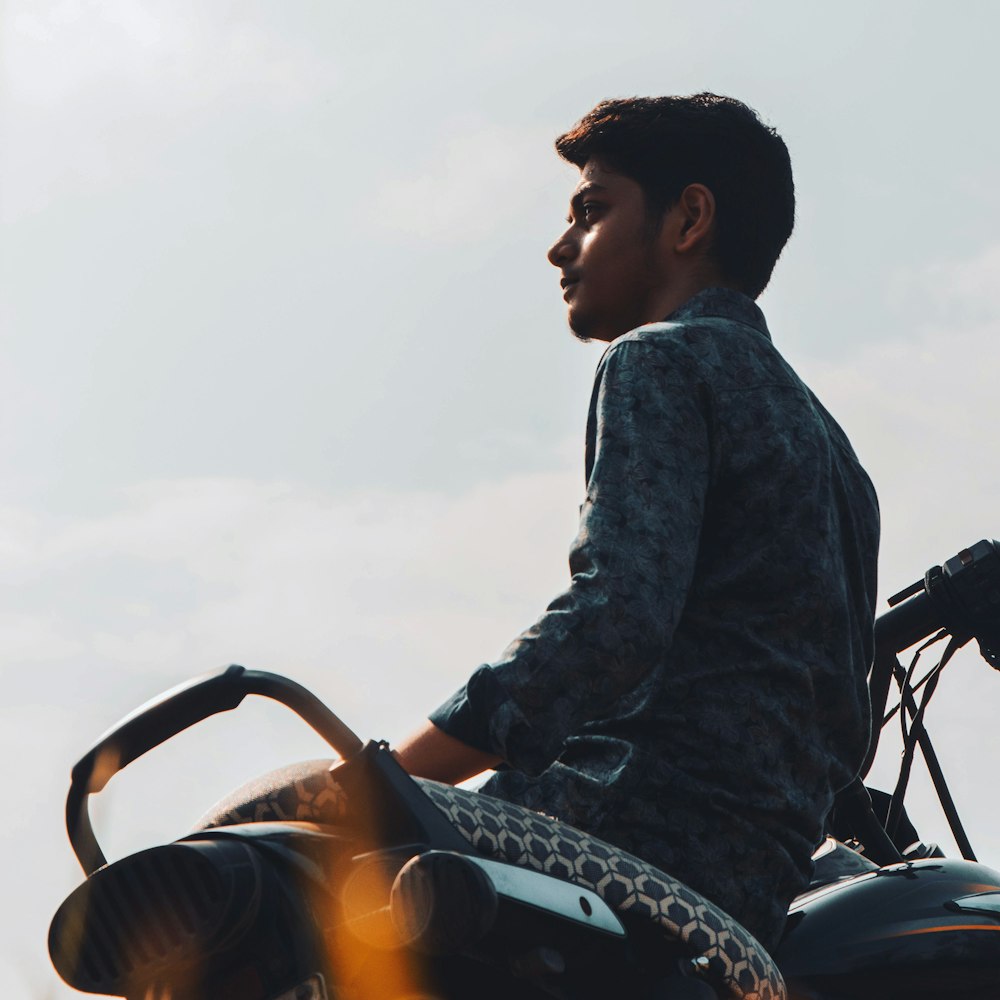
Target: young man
[(697, 695)]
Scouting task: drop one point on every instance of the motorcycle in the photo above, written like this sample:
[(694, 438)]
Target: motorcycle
[(350, 880)]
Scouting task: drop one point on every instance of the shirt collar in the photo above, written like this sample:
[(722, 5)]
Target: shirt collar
[(725, 303)]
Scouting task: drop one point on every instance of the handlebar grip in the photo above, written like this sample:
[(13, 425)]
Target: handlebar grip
[(908, 623)]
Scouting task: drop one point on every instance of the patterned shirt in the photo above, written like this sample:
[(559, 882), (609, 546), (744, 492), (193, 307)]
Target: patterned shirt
[(698, 693)]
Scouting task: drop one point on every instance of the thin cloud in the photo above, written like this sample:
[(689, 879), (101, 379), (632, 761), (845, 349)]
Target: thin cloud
[(212, 569), (98, 93), (918, 408)]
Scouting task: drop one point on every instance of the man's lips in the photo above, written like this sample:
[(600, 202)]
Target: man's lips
[(567, 284)]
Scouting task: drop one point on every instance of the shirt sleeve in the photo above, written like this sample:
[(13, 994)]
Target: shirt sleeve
[(632, 564)]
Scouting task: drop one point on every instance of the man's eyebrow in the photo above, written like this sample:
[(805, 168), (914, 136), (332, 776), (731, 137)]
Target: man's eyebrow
[(586, 189)]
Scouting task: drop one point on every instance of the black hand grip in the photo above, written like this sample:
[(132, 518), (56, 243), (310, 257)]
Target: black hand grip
[(907, 623), (171, 713)]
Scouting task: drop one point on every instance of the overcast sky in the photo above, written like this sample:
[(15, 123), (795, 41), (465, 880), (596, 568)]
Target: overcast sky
[(285, 378)]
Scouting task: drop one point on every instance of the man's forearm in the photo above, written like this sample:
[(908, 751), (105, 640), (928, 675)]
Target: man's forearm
[(432, 753)]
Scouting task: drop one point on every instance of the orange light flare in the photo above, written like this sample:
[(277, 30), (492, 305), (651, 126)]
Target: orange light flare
[(370, 959), (106, 765)]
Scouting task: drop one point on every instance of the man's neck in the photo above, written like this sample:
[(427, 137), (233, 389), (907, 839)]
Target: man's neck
[(681, 291)]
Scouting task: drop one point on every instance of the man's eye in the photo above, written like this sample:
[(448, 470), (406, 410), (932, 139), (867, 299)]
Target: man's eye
[(585, 212)]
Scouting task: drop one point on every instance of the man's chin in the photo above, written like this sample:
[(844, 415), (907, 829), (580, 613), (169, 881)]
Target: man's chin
[(587, 333), (587, 327), (579, 327)]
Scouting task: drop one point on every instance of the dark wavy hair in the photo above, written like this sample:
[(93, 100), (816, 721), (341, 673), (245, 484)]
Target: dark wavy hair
[(666, 143)]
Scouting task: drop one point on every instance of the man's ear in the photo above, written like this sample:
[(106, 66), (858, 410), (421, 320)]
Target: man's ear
[(696, 207)]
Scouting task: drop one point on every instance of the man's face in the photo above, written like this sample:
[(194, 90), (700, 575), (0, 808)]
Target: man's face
[(613, 271)]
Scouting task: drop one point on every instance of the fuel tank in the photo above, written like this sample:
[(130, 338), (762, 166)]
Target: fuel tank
[(920, 929)]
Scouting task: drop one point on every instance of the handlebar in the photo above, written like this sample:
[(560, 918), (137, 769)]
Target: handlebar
[(962, 597), (171, 713)]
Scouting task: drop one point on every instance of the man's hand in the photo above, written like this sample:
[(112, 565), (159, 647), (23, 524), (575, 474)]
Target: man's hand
[(432, 753)]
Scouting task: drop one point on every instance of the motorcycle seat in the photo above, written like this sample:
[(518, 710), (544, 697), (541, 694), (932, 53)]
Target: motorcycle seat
[(732, 957)]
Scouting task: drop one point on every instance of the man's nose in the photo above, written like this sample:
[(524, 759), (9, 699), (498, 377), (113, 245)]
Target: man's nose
[(564, 249)]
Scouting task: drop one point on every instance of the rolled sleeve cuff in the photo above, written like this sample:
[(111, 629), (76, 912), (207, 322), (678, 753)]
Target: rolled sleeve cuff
[(467, 714), (484, 716)]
